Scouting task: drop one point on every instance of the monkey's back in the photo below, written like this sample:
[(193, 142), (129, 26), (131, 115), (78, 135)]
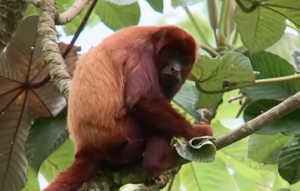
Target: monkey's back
[(95, 98)]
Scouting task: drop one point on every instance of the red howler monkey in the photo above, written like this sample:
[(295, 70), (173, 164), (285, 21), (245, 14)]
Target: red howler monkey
[(119, 105)]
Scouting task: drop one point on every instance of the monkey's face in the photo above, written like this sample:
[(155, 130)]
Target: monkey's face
[(174, 69)]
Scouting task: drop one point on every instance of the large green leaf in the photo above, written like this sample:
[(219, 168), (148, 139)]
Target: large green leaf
[(288, 8), (259, 29), (270, 65), (212, 74), (266, 148), (287, 125), (209, 177), (45, 136), (289, 161), (118, 16), (279, 182), (58, 161), (233, 68)]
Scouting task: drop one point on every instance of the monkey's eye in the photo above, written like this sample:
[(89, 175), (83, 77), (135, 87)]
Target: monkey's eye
[(185, 62), (169, 54)]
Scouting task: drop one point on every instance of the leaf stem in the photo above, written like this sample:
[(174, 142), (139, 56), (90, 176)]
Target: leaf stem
[(199, 31), (210, 51), (246, 84), (279, 79)]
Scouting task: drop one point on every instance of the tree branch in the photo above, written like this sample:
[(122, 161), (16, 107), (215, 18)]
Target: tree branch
[(46, 31), (259, 122), (69, 14), (72, 12)]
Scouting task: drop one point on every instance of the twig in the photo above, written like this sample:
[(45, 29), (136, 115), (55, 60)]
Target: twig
[(236, 98), (79, 29), (71, 12)]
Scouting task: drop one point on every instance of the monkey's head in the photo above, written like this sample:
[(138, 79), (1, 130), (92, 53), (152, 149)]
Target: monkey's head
[(176, 52)]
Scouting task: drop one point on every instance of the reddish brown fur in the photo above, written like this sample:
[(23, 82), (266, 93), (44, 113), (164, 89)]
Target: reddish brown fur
[(116, 106)]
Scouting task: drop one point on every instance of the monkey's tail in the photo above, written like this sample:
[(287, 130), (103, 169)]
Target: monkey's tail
[(79, 172)]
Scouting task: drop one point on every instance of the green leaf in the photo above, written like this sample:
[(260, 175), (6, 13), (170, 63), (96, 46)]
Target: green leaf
[(279, 182), (118, 16), (288, 8), (198, 149), (243, 172), (265, 148), (287, 125), (157, 5), (269, 91), (295, 187), (270, 65), (205, 177), (32, 180), (290, 42), (58, 161), (45, 136), (289, 161), (208, 100), (233, 68), (186, 99), (259, 29)]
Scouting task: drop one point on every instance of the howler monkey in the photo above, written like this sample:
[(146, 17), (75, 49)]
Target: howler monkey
[(119, 105)]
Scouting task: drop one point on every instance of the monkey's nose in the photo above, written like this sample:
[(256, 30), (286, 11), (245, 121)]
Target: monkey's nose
[(175, 70)]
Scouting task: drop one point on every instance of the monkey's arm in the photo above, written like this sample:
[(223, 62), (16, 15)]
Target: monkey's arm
[(157, 117)]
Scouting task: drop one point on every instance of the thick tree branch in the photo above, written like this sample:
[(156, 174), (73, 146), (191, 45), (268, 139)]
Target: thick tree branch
[(50, 50)]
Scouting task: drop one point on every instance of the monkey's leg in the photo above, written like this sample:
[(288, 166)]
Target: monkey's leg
[(159, 155)]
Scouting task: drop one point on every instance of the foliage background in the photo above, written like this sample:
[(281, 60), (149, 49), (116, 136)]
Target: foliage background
[(250, 164)]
